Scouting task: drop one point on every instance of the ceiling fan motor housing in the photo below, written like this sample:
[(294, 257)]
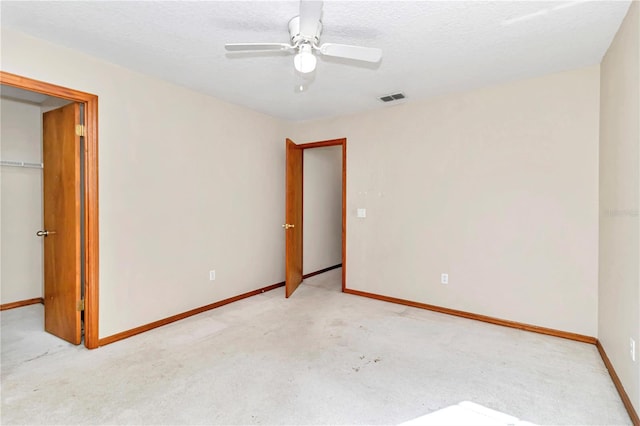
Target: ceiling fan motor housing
[(297, 38)]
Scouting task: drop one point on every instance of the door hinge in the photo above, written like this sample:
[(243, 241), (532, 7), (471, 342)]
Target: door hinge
[(79, 129), (81, 305)]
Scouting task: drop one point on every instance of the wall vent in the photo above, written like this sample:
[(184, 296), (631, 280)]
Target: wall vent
[(392, 97)]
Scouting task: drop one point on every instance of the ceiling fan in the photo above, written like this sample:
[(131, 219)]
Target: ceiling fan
[(304, 32)]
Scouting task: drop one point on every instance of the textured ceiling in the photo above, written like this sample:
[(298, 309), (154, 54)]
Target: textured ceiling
[(429, 47)]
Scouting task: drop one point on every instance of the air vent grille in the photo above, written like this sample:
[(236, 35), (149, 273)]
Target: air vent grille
[(392, 97)]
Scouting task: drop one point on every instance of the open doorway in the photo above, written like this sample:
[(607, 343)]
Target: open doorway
[(55, 171), (322, 213), (295, 221)]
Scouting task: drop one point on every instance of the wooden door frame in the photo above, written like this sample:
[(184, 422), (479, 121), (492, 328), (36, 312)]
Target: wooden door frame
[(334, 142), (90, 218)]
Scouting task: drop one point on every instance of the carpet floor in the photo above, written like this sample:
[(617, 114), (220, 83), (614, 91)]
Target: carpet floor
[(319, 357)]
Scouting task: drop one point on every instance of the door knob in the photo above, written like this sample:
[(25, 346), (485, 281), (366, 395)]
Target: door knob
[(287, 226), (44, 233)]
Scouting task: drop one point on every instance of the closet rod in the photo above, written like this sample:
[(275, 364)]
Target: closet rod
[(20, 164)]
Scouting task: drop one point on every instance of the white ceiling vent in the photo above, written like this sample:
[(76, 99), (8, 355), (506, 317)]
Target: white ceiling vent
[(393, 97)]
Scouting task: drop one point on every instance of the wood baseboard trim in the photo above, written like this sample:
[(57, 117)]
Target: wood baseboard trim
[(21, 303), (321, 271), (125, 334), (477, 317), (618, 384)]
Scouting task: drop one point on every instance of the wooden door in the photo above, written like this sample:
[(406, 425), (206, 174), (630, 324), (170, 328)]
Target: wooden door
[(61, 190), (293, 225)]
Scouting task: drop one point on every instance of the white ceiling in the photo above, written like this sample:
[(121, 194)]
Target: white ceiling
[(14, 93), (429, 47), (46, 102)]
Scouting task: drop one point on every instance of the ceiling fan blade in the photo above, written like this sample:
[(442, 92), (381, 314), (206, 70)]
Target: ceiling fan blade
[(310, 15), (248, 47), (369, 54)]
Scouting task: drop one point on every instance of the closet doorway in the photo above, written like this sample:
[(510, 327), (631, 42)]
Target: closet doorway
[(294, 208), (70, 208)]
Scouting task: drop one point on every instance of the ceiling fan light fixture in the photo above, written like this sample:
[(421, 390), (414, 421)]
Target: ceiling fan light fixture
[(305, 61), (304, 41)]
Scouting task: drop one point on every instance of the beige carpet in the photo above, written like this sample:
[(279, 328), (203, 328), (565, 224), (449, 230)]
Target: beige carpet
[(320, 357)]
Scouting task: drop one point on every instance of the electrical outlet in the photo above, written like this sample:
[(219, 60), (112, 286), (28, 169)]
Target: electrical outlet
[(212, 275), (444, 278), (632, 349)]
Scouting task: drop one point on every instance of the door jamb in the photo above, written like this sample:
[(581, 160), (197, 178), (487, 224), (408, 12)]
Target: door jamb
[(337, 142), (90, 190)]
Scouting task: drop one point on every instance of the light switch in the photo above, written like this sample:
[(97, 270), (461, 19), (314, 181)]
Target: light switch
[(362, 212)]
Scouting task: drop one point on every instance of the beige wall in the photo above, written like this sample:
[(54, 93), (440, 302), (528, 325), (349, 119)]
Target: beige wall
[(322, 203), (20, 202), (619, 260), (187, 184), (496, 187)]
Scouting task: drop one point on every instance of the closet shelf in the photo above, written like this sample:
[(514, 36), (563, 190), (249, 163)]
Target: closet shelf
[(20, 164)]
